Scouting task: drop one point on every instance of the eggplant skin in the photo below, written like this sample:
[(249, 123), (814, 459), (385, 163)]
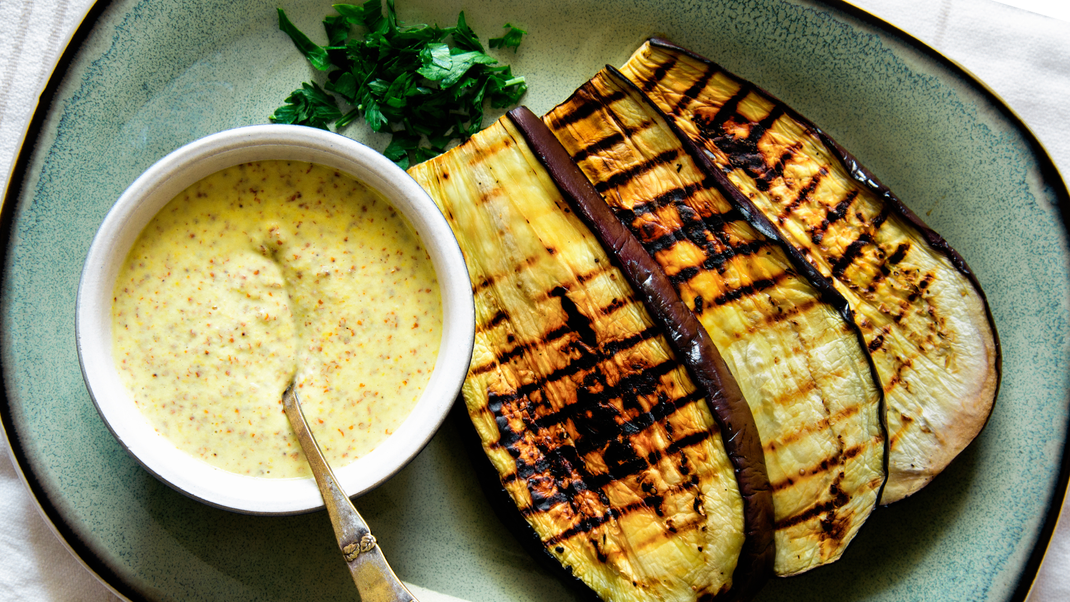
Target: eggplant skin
[(606, 446), (922, 312), (801, 365)]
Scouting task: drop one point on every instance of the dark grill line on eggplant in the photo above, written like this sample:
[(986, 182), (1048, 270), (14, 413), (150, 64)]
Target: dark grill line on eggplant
[(702, 228), (662, 159), (626, 467), (847, 454), (689, 339), (716, 262), (834, 215), (577, 117), (518, 229), (488, 282), (594, 439), (585, 362), (723, 129), (663, 409), (862, 175), (758, 220), (715, 222)]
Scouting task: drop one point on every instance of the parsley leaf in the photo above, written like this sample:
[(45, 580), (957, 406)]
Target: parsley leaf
[(425, 85), (308, 105), (313, 52), (511, 39)]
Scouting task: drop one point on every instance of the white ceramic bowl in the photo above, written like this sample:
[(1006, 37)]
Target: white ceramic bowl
[(154, 189)]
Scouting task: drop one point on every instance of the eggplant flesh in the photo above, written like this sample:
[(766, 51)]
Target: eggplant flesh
[(801, 366), (921, 310), (600, 436)]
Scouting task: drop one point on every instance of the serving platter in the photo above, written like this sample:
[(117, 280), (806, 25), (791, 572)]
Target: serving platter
[(143, 78)]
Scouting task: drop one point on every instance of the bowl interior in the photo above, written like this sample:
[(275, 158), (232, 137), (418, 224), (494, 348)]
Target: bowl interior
[(154, 189)]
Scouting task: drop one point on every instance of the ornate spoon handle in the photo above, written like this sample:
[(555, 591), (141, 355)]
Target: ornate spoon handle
[(376, 581)]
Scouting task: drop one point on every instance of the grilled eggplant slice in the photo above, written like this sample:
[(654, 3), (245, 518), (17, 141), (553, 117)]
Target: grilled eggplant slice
[(924, 317), (801, 365), (607, 447)]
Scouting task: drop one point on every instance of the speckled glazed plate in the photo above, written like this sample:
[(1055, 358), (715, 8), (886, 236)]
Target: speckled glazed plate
[(142, 78)]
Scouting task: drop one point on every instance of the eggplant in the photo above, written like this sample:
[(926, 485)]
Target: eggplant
[(617, 432), (799, 360), (925, 319)]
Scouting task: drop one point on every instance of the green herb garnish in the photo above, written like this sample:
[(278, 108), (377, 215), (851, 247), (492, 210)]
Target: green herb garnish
[(425, 85)]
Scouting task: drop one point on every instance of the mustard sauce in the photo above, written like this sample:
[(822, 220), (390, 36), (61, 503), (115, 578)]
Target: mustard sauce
[(261, 271)]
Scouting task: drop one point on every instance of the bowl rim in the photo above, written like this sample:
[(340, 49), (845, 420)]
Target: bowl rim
[(164, 180)]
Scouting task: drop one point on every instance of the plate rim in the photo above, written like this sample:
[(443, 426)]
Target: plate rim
[(81, 550)]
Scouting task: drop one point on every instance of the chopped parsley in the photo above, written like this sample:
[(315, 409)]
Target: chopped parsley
[(424, 85)]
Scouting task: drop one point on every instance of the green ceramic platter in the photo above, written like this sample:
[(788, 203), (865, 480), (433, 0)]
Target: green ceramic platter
[(142, 78)]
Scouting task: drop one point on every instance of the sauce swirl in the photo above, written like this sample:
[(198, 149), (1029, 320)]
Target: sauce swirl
[(261, 268)]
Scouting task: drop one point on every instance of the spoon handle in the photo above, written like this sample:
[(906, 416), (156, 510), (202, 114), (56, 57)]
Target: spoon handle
[(376, 581)]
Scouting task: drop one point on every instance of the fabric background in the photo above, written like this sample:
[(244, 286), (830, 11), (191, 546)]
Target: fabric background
[(1023, 56)]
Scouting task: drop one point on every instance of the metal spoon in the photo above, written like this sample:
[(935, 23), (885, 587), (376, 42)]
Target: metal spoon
[(375, 580)]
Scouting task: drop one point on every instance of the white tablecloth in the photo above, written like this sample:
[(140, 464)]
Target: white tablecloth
[(1024, 56)]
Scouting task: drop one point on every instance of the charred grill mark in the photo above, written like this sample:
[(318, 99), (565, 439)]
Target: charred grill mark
[(595, 417), (899, 253), (757, 131), (583, 111), (896, 380), (698, 86), (921, 286), (481, 285), (749, 289), (622, 177), (761, 127), (809, 514), (483, 156), (814, 427), (706, 233), (782, 315), (711, 121), (558, 474), (590, 523), (576, 323), (835, 526), (853, 251), (788, 154), (802, 196), (491, 280), (878, 221), (834, 215), (716, 222), (716, 262), (598, 147), (855, 248), (624, 132), (658, 75), (905, 424), (883, 268), (838, 499), (584, 362), (607, 414), (876, 343), (495, 320), (742, 153)]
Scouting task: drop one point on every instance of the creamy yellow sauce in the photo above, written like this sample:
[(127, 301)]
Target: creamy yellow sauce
[(259, 271)]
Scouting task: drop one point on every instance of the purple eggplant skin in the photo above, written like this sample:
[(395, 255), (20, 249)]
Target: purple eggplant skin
[(688, 338), (594, 424), (787, 337)]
